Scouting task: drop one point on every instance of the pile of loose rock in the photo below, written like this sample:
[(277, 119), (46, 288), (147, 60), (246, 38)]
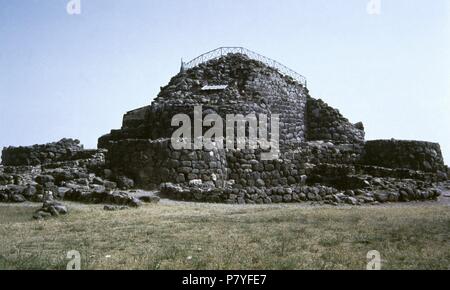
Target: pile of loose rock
[(100, 195), (389, 190), (50, 208), (82, 178)]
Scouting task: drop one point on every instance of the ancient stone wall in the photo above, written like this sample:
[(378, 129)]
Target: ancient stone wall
[(283, 97), (251, 87), (292, 167), (63, 150), (151, 162), (416, 155), (326, 123), (400, 173), (322, 155)]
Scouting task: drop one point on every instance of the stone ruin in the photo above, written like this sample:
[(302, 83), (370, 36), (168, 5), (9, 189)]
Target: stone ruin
[(322, 156), (59, 171)]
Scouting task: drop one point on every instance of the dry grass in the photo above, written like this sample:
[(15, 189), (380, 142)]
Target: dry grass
[(228, 237)]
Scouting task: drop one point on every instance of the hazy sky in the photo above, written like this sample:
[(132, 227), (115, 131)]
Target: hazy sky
[(75, 76)]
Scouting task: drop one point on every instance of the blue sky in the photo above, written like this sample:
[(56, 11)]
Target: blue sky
[(76, 75)]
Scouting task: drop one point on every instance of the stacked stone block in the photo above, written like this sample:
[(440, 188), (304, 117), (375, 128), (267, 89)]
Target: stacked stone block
[(323, 157), (326, 123), (416, 155), (152, 162), (63, 150)]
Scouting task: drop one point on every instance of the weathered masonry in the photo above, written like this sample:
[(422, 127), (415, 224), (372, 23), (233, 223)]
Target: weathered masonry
[(323, 156)]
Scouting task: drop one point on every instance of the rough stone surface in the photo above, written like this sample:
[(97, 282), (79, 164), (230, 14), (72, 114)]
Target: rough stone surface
[(252, 87), (323, 157), (114, 207), (417, 155), (319, 148), (50, 208), (74, 179), (63, 150)]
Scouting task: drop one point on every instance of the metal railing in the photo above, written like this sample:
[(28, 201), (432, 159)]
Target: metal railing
[(222, 51)]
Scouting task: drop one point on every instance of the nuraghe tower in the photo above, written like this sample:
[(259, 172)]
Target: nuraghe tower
[(321, 153)]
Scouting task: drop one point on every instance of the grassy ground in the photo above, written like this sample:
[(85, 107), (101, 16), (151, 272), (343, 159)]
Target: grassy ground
[(204, 236)]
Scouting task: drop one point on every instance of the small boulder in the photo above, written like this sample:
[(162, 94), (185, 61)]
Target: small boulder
[(149, 198), (17, 198), (109, 185), (381, 196), (124, 182), (3, 197), (40, 214), (29, 191), (169, 188), (43, 179), (98, 181), (50, 208)]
